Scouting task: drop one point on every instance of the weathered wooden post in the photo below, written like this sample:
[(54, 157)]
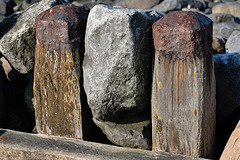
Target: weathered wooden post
[(183, 90), (60, 35)]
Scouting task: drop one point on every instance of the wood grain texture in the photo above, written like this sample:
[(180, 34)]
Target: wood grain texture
[(183, 96), (60, 33)]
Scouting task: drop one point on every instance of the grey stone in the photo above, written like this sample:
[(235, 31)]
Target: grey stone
[(225, 29), (18, 44), (229, 8), (133, 131), (221, 17), (233, 42), (197, 4), (170, 5), (227, 71), (6, 8), (143, 4), (117, 62)]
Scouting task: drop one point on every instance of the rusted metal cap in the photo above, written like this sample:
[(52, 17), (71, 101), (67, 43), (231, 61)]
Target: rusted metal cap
[(61, 24), (181, 32)]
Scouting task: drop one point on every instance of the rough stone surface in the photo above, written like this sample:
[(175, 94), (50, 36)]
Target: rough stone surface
[(60, 33), (18, 44), (17, 145), (233, 42), (143, 4), (117, 62), (228, 8), (225, 29), (170, 5), (133, 131), (232, 148), (183, 87), (221, 17), (28, 3), (7, 23), (218, 45), (6, 8), (227, 71)]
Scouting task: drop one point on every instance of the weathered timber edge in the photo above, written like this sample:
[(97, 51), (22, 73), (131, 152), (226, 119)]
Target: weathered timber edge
[(18, 145)]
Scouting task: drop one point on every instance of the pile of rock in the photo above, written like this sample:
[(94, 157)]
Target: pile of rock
[(117, 83)]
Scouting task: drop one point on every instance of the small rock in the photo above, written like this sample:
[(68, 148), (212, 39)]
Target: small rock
[(18, 44), (193, 10), (218, 45), (143, 4), (225, 29), (221, 17), (170, 5), (233, 42), (6, 8), (133, 131), (117, 63), (228, 8)]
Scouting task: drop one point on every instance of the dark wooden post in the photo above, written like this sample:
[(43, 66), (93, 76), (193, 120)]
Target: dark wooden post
[(183, 89), (60, 35)]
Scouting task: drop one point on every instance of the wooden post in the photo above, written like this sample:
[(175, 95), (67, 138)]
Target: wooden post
[(60, 35), (183, 88)]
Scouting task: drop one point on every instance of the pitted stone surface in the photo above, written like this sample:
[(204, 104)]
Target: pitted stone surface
[(117, 62)]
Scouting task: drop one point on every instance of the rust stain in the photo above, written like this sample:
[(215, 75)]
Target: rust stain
[(159, 123), (195, 93), (195, 85), (159, 85), (181, 114), (195, 112), (195, 74)]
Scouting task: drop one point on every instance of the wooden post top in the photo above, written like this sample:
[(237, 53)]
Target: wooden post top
[(183, 33), (64, 24)]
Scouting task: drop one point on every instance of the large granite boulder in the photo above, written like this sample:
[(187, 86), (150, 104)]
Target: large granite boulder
[(117, 63), (233, 42), (18, 44)]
